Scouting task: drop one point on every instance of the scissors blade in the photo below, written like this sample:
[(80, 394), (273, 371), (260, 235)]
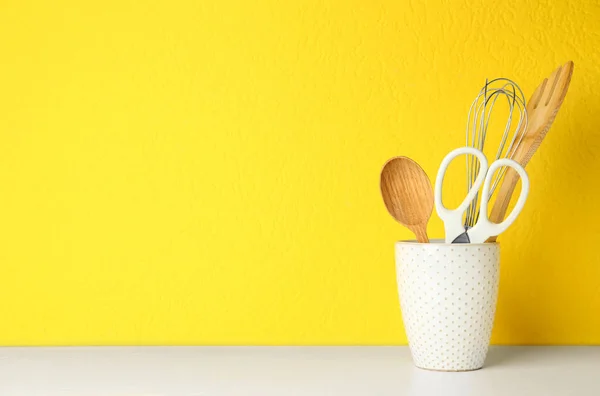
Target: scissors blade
[(462, 238)]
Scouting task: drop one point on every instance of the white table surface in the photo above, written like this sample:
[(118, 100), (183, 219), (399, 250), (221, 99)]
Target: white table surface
[(289, 371)]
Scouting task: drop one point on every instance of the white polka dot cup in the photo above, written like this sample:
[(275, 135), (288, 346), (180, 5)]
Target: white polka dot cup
[(448, 296)]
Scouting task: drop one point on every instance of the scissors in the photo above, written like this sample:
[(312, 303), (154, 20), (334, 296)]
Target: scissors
[(456, 231)]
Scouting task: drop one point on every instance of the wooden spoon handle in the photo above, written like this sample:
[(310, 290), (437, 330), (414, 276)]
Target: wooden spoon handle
[(420, 232), (507, 187)]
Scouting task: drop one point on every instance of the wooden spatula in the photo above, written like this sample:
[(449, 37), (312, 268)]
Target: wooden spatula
[(541, 111)]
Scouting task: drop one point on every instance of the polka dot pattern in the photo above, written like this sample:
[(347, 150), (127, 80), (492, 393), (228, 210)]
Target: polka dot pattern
[(448, 296)]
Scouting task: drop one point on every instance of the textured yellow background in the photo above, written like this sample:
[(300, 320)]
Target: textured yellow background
[(206, 172)]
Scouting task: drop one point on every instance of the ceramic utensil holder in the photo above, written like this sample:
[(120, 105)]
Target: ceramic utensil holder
[(448, 296)]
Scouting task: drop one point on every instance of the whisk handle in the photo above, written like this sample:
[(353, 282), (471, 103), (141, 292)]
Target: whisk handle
[(452, 219)]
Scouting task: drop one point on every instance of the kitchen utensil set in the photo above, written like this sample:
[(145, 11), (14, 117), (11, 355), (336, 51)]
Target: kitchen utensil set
[(406, 190)]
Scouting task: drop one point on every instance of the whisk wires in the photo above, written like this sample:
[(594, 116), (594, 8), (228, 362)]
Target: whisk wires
[(478, 122)]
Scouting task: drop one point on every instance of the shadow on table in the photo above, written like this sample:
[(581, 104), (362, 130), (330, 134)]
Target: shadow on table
[(502, 355)]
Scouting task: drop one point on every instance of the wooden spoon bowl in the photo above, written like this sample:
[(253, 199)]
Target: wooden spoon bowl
[(407, 194)]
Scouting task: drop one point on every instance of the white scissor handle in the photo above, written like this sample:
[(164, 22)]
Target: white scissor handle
[(484, 227), (453, 219)]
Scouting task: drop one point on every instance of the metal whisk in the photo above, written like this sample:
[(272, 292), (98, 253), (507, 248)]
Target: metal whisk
[(478, 121)]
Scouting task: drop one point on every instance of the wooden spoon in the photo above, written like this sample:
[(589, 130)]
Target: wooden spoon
[(541, 111), (407, 195)]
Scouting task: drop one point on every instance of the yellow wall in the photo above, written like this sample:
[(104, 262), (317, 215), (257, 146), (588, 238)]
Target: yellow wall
[(207, 172)]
